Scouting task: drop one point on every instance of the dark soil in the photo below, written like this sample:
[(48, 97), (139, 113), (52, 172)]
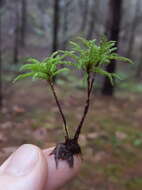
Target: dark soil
[(66, 151)]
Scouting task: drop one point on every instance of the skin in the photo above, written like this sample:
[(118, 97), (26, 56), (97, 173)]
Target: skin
[(31, 168)]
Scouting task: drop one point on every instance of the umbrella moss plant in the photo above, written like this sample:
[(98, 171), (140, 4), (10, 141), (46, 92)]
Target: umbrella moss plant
[(90, 58)]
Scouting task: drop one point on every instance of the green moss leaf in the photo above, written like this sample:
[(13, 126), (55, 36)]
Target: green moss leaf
[(23, 76)]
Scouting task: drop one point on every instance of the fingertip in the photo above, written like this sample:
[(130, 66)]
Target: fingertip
[(57, 177), (25, 169)]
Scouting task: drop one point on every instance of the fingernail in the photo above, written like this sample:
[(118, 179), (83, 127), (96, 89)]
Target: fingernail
[(23, 161)]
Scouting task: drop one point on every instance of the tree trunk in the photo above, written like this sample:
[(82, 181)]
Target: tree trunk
[(66, 22), (1, 96), (56, 25), (23, 26), (85, 15), (139, 67), (16, 38), (92, 21), (135, 23), (112, 31)]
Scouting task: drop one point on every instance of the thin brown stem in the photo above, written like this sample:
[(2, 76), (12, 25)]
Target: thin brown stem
[(88, 84), (59, 107), (91, 85), (86, 108)]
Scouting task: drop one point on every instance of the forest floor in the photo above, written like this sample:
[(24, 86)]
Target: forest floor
[(111, 139)]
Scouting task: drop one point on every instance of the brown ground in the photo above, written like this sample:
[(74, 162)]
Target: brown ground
[(111, 139)]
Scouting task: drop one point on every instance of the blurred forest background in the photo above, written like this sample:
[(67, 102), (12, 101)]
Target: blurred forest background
[(112, 134)]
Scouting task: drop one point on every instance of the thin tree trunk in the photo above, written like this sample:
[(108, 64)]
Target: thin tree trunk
[(23, 22), (92, 21), (112, 31), (85, 15), (139, 67), (1, 96), (133, 29), (66, 20), (16, 38), (56, 25)]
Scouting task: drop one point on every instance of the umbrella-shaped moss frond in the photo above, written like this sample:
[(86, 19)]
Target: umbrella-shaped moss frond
[(46, 69), (90, 56)]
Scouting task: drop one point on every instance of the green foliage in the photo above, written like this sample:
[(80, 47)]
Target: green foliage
[(86, 55), (46, 69), (138, 142), (131, 86), (90, 57)]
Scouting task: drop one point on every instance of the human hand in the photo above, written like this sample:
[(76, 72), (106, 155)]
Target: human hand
[(30, 168)]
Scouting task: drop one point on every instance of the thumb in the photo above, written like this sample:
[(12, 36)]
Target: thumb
[(25, 169)]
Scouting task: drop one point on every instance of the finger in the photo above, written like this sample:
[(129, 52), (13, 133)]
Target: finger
[(57, 177), (26, 169)]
